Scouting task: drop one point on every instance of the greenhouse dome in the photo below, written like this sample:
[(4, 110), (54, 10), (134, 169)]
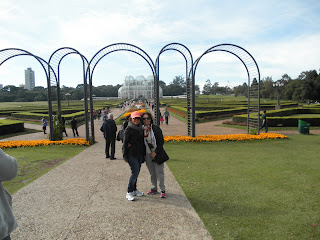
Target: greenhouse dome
[(138, 87)]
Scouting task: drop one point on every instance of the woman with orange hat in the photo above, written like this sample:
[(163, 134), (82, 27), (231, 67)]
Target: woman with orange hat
[(133, 150)]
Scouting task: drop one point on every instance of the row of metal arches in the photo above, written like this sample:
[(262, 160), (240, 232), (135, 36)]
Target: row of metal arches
[(52, 71)]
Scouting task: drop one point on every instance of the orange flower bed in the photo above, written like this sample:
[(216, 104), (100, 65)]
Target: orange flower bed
[(219, 138), (133, 110), (34, 143)]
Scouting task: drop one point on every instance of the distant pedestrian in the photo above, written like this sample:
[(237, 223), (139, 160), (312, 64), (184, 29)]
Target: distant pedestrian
[(161, 118), (104, 116), (94, 114), (44, 124), (8, 171), (99, 114), (166, 116), (109, 129), (264, 121), (63, 122), (74, 126)]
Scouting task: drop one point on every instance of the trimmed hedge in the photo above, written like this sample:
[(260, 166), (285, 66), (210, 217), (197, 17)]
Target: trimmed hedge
[(11, 126), (283, 117), (38, 116), (207, 114), (216, 113), (30, 115)]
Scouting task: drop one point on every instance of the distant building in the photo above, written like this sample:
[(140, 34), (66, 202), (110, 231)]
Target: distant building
[(1, 86), (138, 87), (29, 79)]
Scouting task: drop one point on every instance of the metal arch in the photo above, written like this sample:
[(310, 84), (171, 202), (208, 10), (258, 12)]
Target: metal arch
[(119, 47), (185, 52), (6, 54), (55, 61), (101, 54), (253, 73)]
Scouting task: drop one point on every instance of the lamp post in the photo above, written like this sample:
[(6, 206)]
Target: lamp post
[(277, 84), (68, 95)]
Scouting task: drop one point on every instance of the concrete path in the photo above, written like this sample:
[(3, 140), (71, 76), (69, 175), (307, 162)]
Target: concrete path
[(84, 198)]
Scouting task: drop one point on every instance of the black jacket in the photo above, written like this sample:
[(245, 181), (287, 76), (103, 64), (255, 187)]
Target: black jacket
[(133, 141), (109, 129), (159, 138)]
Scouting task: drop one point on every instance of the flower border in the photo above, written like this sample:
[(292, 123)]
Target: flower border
[(34, 143), (220, 138)]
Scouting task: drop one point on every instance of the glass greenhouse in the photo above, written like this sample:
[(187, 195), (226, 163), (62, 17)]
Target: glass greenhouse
[(138, 86)]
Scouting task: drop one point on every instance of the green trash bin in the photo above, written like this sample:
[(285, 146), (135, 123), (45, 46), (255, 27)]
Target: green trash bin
[(303, 127)]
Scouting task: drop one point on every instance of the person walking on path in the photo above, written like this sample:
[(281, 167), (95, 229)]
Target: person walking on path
[(166, 116), (44, 125), (161, 118), (264, 121), (74, 126), (133, 150), (109, 129), (104, 116), (153, 139), (8, 171), (63, 122)]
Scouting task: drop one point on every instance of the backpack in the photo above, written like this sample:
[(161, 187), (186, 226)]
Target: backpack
[(121, 132)]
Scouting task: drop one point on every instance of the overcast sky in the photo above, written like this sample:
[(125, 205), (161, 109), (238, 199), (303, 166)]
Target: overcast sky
[(282, 36)]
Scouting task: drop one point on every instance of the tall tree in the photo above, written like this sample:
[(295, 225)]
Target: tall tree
[(207, 89)]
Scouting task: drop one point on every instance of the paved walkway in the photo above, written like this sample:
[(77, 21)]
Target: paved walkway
[(84, 198)]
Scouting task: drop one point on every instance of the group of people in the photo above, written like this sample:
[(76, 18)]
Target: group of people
[(101, 113), (73, 123), (142, 142), (166, 117)]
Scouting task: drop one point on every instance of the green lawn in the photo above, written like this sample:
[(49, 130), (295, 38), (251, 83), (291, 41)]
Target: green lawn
[(266, 189), (36, 161)]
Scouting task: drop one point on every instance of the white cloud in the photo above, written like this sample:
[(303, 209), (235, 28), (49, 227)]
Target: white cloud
[(281, 36)]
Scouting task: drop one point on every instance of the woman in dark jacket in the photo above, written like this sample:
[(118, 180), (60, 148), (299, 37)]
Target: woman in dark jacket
[(133, 150), (154, 141)]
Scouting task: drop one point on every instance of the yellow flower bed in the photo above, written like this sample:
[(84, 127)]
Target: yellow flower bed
[(34, 143), (219, 138)]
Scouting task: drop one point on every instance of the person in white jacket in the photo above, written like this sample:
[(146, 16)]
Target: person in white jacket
[(8, 171)]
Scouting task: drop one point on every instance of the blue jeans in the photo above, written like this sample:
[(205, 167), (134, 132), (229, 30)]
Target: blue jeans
[(135, 165)]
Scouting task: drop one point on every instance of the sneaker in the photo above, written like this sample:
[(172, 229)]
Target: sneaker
[(152, 191), (130, 196), (163, 194), (137, 193)]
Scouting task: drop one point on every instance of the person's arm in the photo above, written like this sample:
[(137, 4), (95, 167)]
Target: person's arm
[(159, 138), (125, 144), (8, 167), (101, 129)]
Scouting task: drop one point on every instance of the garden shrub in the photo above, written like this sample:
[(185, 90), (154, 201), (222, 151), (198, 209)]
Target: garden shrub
[(11, 126), (283, 117)]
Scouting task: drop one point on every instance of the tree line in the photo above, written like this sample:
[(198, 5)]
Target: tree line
[(306, 87), (12, 93)]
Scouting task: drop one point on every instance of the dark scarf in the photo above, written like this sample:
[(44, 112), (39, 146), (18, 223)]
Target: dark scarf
[(136, 128)]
